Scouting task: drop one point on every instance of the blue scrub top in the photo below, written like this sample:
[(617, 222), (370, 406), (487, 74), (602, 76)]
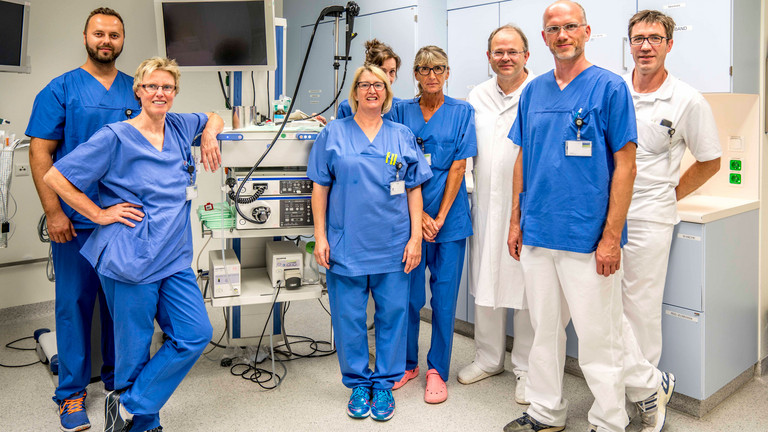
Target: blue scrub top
[(346, 111), (367, 228), (73, 107), (564, 202), (127, 168), (448, 136)]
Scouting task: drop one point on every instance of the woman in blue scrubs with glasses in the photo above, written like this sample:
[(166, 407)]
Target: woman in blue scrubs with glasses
[(367, 207), (445, 131), (142, 249)]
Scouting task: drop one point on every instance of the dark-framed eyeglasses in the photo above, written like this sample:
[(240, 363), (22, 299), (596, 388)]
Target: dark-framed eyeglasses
[(378, 86), (653, 40), (425, 70), (152, 88), (570, 27), (498, 55)]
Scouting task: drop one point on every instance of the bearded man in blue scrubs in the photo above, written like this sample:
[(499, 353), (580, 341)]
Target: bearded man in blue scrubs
[(65, 114), (571, 190)]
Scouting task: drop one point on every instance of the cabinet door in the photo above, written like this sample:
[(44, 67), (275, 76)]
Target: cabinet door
[(700, 55), (606, 48), (684, 283), (397, 28), (316, 90), (468, 31)]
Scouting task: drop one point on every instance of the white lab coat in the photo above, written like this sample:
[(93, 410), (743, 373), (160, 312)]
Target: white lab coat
[(496, 279)]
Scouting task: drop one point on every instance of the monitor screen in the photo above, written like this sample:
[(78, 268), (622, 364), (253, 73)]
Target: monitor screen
[(223, 35), (14, 17)]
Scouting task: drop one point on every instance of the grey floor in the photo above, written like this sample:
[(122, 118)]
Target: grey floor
[(313, 398)]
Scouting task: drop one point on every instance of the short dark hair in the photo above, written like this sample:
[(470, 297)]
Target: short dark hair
[(652, 17), (509, 27), (103, 11)]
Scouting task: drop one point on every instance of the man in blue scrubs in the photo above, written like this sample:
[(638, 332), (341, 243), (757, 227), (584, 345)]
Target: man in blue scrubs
[(65, 114), (572, 188)]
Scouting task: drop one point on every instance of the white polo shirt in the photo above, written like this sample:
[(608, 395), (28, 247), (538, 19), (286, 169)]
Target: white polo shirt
[(658, 155)]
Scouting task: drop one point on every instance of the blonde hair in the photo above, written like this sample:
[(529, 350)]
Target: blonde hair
[(429, 55), (380, 75), (156, 64)]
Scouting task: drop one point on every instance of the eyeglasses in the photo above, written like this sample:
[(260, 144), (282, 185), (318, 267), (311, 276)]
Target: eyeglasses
[(570, 27), (653, 40), (152, 88), (498, 55), (425, 70), (378, 86)]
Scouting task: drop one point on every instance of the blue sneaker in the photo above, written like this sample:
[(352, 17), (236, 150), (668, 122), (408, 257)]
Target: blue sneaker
[(382, 405), (72, 413), (359, 405)]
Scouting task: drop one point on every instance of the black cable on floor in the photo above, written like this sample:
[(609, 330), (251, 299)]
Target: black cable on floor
[(8, 345)]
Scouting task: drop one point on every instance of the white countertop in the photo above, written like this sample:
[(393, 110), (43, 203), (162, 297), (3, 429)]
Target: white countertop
[(708, 208)]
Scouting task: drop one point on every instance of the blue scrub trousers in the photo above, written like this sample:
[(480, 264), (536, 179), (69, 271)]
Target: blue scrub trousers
[(348, 296), (177, 305), (445, 262), (77, 286)]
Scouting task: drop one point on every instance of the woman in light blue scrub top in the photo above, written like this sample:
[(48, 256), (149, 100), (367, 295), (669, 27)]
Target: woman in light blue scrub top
[(142, 249), (381, 55), (445, 131), (366, 202)]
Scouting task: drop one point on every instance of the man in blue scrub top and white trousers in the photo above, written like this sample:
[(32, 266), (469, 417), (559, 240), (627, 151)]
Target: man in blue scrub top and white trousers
[(671, 116), (65, 114), (496, 280), (574, 173)]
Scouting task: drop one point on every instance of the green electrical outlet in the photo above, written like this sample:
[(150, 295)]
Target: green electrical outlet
[(735, 178), (735, 165)]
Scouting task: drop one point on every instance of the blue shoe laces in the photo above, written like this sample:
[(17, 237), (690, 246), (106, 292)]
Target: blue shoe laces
[(382, 398)]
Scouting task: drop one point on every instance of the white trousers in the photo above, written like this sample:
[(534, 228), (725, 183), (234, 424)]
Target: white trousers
[(646, 256), (491, 338), (561, 286)]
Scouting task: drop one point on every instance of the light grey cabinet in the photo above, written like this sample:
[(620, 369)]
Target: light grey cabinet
[(715, 43)]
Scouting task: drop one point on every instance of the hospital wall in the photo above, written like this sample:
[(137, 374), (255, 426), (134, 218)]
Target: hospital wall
[(56, 46)]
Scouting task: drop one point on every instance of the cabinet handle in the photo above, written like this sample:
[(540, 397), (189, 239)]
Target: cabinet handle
[(624, 42)]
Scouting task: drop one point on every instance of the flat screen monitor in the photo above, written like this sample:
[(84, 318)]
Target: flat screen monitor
[(14, 29), (217, 35)]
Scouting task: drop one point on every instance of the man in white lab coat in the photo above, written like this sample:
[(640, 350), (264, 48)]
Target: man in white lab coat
[(496, 279), (671, 116)]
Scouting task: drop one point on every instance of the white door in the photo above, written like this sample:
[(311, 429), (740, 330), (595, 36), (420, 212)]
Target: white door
[(468, 31)]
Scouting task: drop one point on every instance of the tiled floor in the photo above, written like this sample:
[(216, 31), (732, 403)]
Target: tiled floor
[(313, 398)]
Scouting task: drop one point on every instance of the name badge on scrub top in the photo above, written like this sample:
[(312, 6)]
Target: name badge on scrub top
[(578, 148), (428, 157), (191, 192)]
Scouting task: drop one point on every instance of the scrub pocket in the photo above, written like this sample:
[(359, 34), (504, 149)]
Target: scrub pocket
[(127, 255), (654, 138)]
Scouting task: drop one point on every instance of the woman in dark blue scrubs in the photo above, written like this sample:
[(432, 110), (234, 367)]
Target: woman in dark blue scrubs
[(445, 131)]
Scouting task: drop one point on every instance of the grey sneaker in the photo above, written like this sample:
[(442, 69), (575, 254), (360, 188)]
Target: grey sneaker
[(113, 422), (527, 423), (653, 411)]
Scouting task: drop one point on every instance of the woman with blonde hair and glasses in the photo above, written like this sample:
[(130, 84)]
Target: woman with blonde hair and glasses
[(142, 249), (366, 203), (445, 131)]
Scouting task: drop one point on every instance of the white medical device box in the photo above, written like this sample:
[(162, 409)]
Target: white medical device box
[(224, 273), (285, 263)]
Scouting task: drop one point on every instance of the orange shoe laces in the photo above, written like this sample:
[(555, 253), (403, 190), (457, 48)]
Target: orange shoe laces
[(72, 405)]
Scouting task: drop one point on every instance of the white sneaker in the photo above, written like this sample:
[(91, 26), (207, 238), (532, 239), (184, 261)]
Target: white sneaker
[(520, 390), (653, 411), (472, 374)]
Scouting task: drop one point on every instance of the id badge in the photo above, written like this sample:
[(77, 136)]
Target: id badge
[(578, 148), (191, 192), (428, 157), (397, 187)]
